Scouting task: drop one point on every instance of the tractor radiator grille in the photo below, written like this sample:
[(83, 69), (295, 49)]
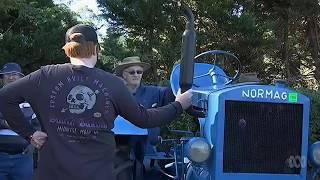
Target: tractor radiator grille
[(261, 137)]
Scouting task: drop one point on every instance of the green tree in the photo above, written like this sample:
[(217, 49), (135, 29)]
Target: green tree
[(153, 30), (32, 32), (291, 55), (314, 114), (277, 38), (114, 49)]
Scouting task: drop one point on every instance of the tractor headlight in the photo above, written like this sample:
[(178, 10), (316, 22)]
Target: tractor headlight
[(314, 154), (198, 150)]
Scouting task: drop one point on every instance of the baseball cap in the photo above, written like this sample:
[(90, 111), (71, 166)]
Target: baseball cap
[(88, 32)]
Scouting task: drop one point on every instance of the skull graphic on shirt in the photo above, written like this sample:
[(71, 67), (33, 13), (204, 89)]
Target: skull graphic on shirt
[(81, 98)]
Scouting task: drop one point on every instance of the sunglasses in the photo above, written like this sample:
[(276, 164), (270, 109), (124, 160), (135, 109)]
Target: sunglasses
[(133, 72)]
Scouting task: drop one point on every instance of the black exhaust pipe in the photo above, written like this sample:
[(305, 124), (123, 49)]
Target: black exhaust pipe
[(187, 51), (187, 55)]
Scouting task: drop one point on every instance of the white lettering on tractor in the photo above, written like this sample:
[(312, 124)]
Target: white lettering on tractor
[(264, 94)]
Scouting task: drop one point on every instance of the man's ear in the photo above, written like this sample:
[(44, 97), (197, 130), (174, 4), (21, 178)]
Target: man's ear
[(122, 75)]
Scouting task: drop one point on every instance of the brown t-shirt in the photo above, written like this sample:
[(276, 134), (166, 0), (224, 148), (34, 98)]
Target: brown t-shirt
[(76, 107)]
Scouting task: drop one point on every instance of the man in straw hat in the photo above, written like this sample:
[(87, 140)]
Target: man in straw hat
[(77, 104), (131, 70), (16, 160)]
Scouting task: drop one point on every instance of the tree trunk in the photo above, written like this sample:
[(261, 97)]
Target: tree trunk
[(285, 46), (313, 33)]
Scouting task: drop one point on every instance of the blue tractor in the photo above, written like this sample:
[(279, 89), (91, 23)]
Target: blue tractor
[(248, 130)]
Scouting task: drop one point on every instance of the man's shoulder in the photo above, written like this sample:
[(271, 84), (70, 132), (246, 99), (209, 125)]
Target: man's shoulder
[(106, 75), (102, 72), (53, 69), (54, 66)]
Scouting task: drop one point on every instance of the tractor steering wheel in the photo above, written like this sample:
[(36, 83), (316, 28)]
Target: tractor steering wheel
[(212, 72)]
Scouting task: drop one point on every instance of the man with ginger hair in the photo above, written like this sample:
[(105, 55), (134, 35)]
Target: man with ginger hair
[(76, 104)]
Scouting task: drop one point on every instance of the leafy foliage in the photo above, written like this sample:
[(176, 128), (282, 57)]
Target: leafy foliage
[(314, 114), (32, 32), (269, 37)]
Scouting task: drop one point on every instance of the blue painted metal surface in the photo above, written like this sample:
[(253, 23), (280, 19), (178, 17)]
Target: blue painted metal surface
[(214, 127), (124, 127), (314, 159), (314, 152)]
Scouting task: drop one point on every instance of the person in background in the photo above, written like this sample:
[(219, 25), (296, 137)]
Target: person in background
[(77, 104), (16, 162), (131, 70)]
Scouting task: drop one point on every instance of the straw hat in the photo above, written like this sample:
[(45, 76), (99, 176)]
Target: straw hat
[(128, 62)]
